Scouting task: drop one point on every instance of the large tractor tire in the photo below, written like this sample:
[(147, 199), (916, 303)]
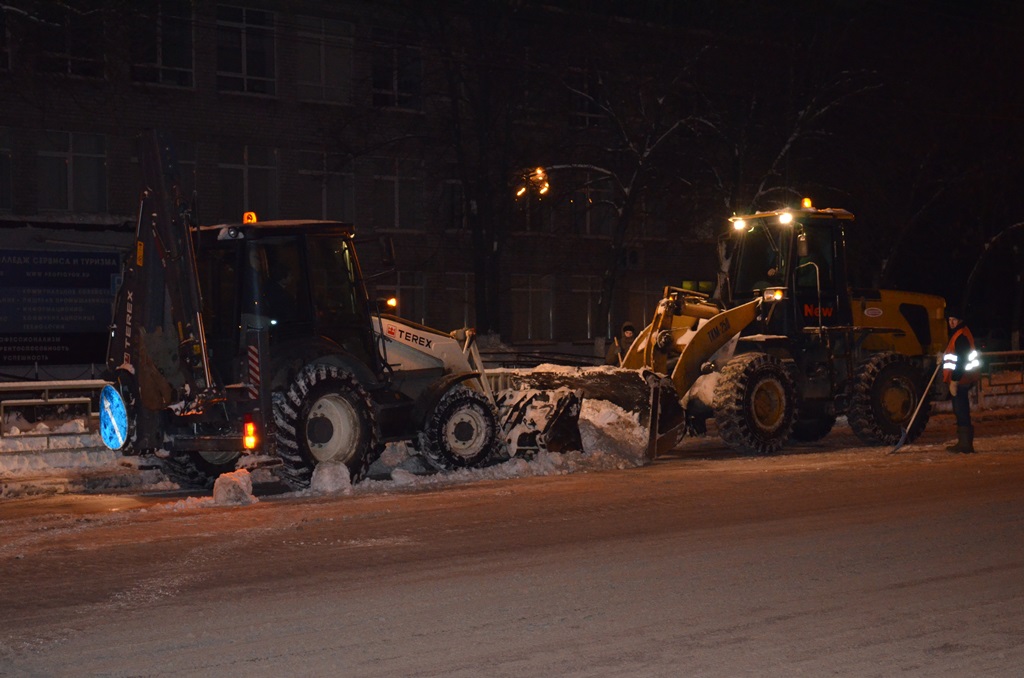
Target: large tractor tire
[(462, 431), (884, 393), (324, 416), (755, 403)]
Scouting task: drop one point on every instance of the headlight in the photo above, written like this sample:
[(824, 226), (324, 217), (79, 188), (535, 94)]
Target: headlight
[(775, 294)]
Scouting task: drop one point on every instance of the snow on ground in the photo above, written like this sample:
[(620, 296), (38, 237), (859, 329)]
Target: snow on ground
[(64, 456), (73, 459)]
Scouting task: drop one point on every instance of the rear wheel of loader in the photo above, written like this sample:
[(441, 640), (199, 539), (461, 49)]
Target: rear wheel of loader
[(324, 416), (461, 432), (885, 391), (755, 403)]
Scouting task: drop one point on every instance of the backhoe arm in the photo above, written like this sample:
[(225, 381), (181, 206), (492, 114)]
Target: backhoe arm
[(157, 334)]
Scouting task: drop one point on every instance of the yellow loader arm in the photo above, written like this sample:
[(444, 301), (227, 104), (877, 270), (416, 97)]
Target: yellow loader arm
[(687, 329), (677, 330), (706, 340)]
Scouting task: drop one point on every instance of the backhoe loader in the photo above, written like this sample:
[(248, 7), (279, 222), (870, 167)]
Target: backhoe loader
[(786, 345), (256, 344)]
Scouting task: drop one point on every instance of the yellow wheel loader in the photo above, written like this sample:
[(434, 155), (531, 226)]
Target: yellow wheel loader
[(787, 345)]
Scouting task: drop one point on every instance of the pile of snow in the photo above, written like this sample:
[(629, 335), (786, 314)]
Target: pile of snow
[(58, 456), (234, 488), (19, 434), (331, 478), (608, 429), (230, 489)]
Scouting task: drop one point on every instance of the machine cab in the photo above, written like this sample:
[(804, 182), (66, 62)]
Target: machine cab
[(797, 259), (300, 281)]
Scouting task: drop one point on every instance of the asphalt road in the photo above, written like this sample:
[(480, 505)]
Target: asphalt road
[(829, 560)]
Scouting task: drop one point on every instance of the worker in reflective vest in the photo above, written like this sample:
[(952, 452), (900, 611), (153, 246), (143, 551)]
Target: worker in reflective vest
[(960, 370)]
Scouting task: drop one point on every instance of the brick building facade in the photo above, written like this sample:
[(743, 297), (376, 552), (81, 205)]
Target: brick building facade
[(306, 109)]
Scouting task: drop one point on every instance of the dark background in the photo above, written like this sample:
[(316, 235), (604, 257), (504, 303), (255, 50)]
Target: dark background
[(905, 113), (925, 147)]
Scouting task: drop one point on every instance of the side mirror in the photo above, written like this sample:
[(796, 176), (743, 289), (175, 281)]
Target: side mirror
[(801, 245)]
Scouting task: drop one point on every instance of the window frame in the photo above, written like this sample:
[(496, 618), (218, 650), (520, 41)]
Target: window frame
[(246, 31), (68, 154), (324, 40), (403, 61), (247, 166), (323, 173), (159, 66), (405, 189)]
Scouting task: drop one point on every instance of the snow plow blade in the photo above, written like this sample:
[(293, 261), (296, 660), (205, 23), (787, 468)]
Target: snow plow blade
[(535, 421), (549, 399)]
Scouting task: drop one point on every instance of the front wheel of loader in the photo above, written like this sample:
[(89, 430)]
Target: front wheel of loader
[(885, 391), (324, 416), (755, 403), (461, 432)]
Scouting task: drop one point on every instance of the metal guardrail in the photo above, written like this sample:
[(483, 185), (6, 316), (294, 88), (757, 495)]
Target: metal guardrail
[(1002, 379), (19, 395)]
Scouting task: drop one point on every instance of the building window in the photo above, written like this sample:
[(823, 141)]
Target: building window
[(537, 213), (395, 197), (584, 111), (188, 154), (533, 105), (532, 307), (397, 72), (245, 51), (591, 209), (5, 41), (409, 289), (458, 306), (248, 181), (161, 44), (582, 317), (323, 50), (6, 175), (452, 206), (70, 39), (326, 185), (72, 172)]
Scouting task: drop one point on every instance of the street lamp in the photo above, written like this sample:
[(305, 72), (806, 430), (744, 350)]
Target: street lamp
[(535, 180), (531, 181)]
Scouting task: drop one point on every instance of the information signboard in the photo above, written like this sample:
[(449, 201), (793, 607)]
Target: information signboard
[(55, 307)]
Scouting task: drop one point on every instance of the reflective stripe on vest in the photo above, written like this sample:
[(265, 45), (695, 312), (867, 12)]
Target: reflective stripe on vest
[(972, 365), (950, 360)]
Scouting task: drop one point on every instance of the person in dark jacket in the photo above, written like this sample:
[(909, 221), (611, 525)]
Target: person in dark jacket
[(960, 370), (620, 344)]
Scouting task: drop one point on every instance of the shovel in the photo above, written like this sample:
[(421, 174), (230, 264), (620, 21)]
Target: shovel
[(910, 424)]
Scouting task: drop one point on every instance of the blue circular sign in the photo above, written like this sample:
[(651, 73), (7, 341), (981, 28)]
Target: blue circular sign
[(113, 418)]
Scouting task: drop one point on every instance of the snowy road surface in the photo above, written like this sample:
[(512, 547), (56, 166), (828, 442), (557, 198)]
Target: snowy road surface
[(830, 560)]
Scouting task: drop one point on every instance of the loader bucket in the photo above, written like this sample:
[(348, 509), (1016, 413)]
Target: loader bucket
[(534, 420), (629, 390)]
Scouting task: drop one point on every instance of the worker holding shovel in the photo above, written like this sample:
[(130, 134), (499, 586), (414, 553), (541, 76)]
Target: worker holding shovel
[(960, 368)]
